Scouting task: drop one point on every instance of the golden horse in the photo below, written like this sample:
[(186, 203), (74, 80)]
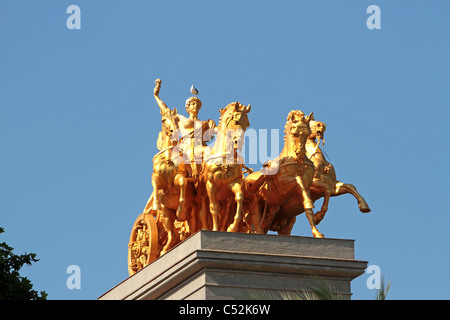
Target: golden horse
[(325, 183), (173, 196), (284, 184), (221, 180)]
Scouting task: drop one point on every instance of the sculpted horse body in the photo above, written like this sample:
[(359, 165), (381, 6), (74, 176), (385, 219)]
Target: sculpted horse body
[(283, 185), (221, 179), (325, 183)]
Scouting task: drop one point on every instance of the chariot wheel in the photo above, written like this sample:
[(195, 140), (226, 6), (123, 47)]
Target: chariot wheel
[(143, 245)]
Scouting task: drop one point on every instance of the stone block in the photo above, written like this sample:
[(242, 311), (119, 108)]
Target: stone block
[(222, 265)]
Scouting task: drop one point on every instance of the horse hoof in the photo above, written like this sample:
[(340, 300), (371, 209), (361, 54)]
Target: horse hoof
[(364, 207), (232, 229), (317, 234)]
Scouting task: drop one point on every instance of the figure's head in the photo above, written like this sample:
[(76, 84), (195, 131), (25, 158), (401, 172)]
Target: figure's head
[(193, 106)]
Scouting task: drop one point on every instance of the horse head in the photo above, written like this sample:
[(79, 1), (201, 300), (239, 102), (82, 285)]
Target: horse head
[(317, 130), (298, 125), (234, 116), (170, 124), (233, 123)]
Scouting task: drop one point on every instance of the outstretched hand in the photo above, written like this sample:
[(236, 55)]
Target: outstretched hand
[(157, 87)]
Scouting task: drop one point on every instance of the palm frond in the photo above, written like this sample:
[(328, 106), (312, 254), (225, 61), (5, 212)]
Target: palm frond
[(324, 290), (382, 292)]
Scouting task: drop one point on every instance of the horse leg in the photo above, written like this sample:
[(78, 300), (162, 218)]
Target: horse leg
[(239, 197), (310, 215), (168, 220), (225, 215), (325, 189), (269, 217), (204, 213), (213, 205), (192, 221), (286, 226), (307, 202), (308, 205), (202, 205), (342, 188), (157, 184), (256, 217), (181, 181)]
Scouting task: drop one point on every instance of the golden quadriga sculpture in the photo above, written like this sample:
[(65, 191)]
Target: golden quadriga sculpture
[(201, 187)]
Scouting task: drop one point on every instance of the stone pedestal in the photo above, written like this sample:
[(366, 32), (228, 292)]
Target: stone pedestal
[(221, 265)]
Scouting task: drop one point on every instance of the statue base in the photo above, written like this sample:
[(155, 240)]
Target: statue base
[(223, 265)]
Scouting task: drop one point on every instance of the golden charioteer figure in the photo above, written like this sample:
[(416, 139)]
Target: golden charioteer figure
[(200, 187)]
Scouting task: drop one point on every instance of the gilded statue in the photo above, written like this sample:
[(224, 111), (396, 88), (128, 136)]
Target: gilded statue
[(201, 186)]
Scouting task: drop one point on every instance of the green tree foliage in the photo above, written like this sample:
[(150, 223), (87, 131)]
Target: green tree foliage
[(12, 285)]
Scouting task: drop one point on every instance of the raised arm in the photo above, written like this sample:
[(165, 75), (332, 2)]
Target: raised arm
[(161, 104)]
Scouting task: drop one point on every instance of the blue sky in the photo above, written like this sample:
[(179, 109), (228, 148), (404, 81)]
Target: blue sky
[(79, 124)]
